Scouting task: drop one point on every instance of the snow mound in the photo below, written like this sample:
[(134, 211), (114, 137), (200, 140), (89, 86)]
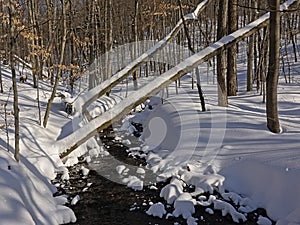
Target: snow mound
[(21, 185), (134, 183), (184, 206), (192, 221), (172, 191), (272, 181), (263, 221), (157, 209), (204, 182), (120, 169)]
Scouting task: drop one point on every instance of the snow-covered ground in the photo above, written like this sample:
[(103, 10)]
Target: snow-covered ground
[(227, 150), (26, 192)]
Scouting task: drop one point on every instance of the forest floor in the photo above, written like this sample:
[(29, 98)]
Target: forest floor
[(110, 203)]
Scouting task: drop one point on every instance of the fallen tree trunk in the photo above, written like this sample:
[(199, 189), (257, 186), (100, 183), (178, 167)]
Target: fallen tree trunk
[(71, 142), (82, 102)]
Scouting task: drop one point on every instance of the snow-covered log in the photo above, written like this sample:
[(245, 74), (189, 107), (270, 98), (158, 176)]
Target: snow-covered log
[(82, 102), (68, 144)]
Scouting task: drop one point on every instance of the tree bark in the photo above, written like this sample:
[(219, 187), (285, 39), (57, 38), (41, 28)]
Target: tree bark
[(59, 73), (135, 50), (231, 52), (221, 58), (273, 71), (1, 83), (251, 59), (250, 63), (12, 42), (191, 48), (34, 56)]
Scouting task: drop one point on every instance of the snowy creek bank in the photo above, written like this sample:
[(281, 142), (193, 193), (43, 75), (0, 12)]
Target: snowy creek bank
[(103, 196)]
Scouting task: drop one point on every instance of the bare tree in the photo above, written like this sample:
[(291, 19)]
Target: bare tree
[(251, 46), (1, 83), (135, 47), (221, 58), (273, 71), (12, 43), (200, 92), (231, 52), (62, 52)]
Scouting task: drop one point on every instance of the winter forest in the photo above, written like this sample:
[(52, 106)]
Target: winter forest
[(149, 112)]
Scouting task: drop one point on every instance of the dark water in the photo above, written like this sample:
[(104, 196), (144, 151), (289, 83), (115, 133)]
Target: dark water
[(107, 201)]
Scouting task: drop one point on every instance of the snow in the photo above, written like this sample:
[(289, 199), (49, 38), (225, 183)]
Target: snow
[(157, 209), (140, 171), (184, 206), (192, 221), (23, 188), (85, 171), (75, 200), (229, 151), (209, 211), (255, 174), (134, 182), (120, 169), (172, 191), (227, 208), (235, 154), (263, 221)]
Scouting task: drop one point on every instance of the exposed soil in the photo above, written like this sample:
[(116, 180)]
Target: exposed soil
[(109, 203)]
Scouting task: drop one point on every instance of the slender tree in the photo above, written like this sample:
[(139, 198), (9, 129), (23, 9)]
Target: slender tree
[(135, 45), (191, 48), (61, 58), (250, 53), (1, 83), (1, 45), (12, 43), (273, 71)]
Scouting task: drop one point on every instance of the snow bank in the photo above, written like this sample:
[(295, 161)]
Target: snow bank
[(24, 189), (268, 187)]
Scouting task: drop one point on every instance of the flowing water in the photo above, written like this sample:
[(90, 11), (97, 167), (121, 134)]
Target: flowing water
[(105, 200)]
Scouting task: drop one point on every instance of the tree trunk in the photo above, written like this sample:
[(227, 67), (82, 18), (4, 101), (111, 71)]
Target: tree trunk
[(231, 52), (109, 46), (135, 31), (34, 56), (59, 73), (12, 11), (273, 71), (221, 58), (251, 59), (250, 63), (1, 83), (192, 50)]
